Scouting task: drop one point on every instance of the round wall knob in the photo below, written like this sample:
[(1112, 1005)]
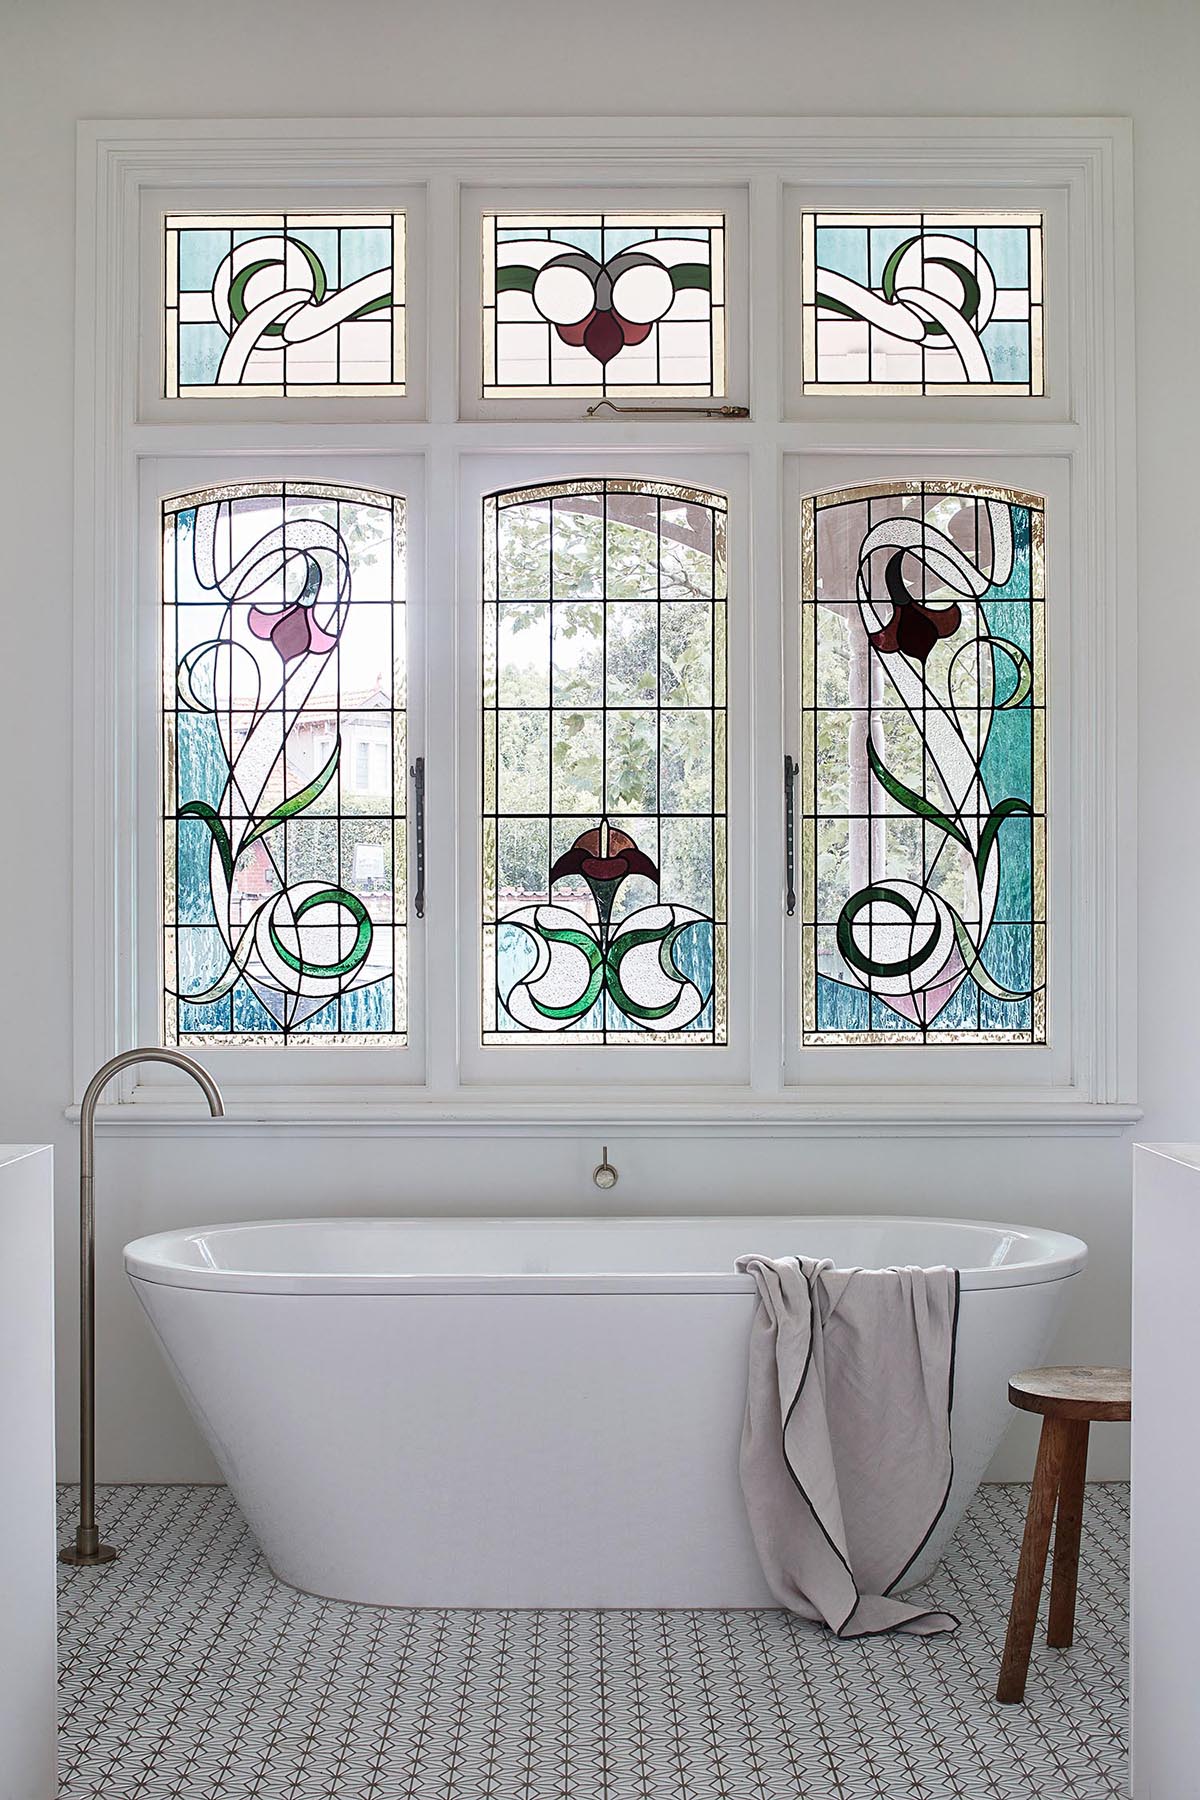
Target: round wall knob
[(604, 1175)]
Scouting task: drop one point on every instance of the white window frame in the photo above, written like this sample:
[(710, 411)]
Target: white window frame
[(1002, 1070), (620, 1071), (1077, 171)]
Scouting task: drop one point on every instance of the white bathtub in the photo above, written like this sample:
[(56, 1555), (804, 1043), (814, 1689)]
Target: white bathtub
[(534, 1412)]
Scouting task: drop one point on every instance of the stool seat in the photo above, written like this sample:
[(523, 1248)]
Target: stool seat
[(1070, 1402), (1090, 1394)]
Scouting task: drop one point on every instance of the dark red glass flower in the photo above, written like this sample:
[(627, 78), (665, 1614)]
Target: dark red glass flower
[(602, 334), (597, 860), (605, 857), (914, 627)]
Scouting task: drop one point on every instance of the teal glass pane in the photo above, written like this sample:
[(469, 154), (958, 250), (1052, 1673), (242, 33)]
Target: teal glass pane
[(843, 249), (1017, 585), (1007, 344), (203, 769), (364, 250), (579, 238), (1014, 899), (842, 1008), (961, 1011), (324, 1020), (884, 240), (1007, 250), (1007, 762), (249, 1013), (194, 902), (205, 1019), (1011, 620), (368, 1008), (201, 348), (199, 254)]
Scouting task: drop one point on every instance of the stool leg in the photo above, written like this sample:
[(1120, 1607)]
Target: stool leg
[(1061, 1632), (1032, 1567)]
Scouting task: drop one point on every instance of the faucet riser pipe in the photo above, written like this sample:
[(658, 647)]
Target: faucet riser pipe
[(87, 1549)]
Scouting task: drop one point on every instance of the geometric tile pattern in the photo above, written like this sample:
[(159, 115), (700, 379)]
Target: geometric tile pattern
[(189, 1673)]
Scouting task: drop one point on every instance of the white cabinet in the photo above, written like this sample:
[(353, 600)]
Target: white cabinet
[(28, 1657), (1166, 1472)]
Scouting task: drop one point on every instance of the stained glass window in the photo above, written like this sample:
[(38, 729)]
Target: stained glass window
[(922, 303), (604, 874), (591, 305), (283, 759), (284, 304), (923, 766)]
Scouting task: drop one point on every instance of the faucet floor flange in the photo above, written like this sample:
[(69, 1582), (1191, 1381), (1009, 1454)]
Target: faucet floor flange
[(103, 1553)]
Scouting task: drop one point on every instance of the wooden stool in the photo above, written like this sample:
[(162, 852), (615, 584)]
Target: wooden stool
[(1069, 1400)]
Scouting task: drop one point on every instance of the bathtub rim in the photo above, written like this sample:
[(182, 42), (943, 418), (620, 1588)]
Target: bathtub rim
[(146, 1258)]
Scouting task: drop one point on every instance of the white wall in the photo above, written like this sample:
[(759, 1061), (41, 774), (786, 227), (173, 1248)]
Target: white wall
[(72, 59)]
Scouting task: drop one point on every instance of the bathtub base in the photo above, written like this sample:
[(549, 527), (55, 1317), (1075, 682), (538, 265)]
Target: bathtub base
[(509, 1450)]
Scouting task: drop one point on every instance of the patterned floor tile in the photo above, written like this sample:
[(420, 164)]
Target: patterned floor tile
[(189, 1673)]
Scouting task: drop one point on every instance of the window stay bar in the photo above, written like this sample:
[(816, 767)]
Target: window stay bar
[(702, 412)]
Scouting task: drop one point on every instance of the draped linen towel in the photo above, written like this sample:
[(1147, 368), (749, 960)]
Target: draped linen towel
[(846, 1456)]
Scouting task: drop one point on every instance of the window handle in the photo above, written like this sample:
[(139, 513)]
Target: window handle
[(417, 771), (791, 769)]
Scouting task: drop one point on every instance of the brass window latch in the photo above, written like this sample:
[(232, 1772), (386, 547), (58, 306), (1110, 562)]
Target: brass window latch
[(701, 412)]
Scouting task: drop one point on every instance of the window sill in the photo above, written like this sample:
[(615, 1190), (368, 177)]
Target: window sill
[(521, 1113)]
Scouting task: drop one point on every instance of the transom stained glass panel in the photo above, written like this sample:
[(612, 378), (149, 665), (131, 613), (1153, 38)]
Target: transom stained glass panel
[(922, 303), (284, 304), (593, 305), (604, 861), (923, 766), (283, 758)]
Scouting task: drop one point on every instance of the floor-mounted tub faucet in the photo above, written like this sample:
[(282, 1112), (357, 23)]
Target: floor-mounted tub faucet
[(87, 1548)]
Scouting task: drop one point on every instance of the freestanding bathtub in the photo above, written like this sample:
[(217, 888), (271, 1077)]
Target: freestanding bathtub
[(534, 1412)]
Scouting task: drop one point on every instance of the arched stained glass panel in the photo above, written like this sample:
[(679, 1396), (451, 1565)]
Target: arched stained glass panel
[(283, 757), (603, 776), (923, 766)]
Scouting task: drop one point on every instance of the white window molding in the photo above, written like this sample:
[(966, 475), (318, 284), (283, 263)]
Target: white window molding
[(1078, 171)]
